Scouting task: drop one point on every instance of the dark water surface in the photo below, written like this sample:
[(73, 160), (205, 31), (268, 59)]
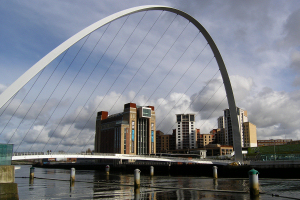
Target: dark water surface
[(91, 184)]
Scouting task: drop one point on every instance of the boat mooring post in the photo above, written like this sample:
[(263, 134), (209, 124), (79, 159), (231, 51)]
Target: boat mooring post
[(137, 178), (72, 176), (31, 175), (151, 171), (253, 183), (107, 168), (215, 172)]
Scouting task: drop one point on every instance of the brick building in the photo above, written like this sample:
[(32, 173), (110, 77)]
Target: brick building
[(129, 132)]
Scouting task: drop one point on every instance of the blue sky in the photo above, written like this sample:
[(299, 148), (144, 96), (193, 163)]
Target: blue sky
[(258, 40)]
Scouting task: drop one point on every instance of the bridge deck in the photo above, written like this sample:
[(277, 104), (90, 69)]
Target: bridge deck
[(33, 156)]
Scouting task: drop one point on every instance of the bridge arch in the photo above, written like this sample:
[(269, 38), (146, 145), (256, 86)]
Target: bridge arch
[(42, 63)]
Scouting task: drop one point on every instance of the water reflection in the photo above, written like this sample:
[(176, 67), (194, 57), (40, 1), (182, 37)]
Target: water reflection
[(215, 183), (89, 184), (162, 187)]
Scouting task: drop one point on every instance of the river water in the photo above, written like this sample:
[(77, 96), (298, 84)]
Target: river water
[(91, 184)]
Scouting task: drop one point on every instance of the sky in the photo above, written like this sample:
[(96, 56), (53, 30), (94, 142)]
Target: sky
[(258, 40)]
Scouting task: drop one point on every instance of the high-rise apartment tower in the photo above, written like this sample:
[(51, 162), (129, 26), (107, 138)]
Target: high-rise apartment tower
[(225, 122), (185, 131)]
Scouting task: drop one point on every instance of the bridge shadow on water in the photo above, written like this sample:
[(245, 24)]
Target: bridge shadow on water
[(183, 169)]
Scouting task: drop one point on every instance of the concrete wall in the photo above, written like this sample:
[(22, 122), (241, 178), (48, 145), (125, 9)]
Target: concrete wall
[(7, 174), (8, 189)]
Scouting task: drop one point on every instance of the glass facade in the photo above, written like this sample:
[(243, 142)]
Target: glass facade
[(6, 151), (147, 112)]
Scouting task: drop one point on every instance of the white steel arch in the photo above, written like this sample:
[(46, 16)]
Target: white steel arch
[(41, 64)]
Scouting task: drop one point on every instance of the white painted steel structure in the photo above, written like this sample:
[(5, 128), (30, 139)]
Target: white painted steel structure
[(26, 156), (41, 64)]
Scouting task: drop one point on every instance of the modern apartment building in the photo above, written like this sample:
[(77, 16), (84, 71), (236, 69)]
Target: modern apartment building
[(221, 122), (219, 135), (162, 142), (249, 135), (206, 139), (185, 131), (129, 132), (158, 141), (226, 124)]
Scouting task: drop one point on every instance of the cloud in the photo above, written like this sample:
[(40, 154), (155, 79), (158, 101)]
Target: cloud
[(258, 41), (292, 30), (2, 88), (295, 66), (274, 113)]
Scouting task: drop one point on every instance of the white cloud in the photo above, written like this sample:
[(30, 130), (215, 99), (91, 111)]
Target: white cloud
[(274, 113), (2, 88), (258, 41)]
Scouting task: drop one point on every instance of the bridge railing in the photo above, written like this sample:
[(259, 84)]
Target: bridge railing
[(59, 153), (28, 153), (120, 156)]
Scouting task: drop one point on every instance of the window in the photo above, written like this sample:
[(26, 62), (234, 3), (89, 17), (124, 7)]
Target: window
[(132, 137), (125, 133), (192, 117), (185, 118), (146, 112), (178, 118)]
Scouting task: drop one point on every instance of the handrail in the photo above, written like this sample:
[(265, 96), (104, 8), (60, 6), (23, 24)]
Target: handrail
[(118, 156)]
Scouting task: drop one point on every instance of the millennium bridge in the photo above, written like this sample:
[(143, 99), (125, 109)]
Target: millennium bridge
[(152, 158)]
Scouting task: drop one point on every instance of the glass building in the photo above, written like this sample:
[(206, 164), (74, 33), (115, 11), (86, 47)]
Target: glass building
[(6, 151)]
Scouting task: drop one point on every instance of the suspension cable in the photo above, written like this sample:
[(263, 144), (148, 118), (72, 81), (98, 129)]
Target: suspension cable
[(182, 75), (67, 89), (213, 111), (81, 87), (57, 86), (131, 58), (101, 77), (39, 95), (206, 101), (97, 106), (194, 99), (21, 104), (141, 65), (172, 68), (8, 103), (111, 64), (188, 89), (160, 60)]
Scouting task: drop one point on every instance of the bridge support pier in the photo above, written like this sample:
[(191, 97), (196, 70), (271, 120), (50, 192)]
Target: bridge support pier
[(8, 189)]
